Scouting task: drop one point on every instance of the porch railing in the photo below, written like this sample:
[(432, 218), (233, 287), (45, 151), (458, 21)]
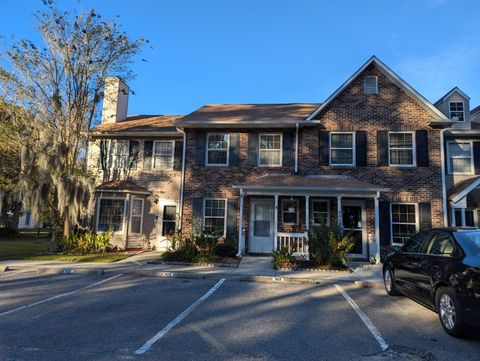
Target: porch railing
[(295, 242)]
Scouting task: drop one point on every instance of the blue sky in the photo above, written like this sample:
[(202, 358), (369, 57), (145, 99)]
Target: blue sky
[(263, 51)]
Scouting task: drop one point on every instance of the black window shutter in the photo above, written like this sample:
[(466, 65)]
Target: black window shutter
[(421, 140), (287, 149), (197, 214), (201, 147), (232, 230), (103, 155), (361, 148), (234, 149), (132, 154), (324, 148), (177, 162), (425, 210), (382, 148), (147, 154), (476, 156), (252, 148), (384, 213)]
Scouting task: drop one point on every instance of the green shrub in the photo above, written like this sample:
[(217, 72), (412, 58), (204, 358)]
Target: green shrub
[(328, 245), (8, 232), (184, 251), (86, 242), (227, 249), (283, 258)]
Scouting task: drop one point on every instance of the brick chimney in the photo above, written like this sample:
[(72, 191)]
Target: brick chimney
[(115, 100)]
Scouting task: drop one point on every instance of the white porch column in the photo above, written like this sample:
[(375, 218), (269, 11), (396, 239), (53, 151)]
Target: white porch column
[(377, 229), (307, 212), (275, 223), (339, 211), (452, 220), (464, 221), (241, 240)]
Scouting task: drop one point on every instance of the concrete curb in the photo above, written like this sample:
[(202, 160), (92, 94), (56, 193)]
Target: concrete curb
[(70, 271), (369, 284), (280, 279), (168, 274)]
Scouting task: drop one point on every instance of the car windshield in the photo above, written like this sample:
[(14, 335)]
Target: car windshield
[(471, 238)]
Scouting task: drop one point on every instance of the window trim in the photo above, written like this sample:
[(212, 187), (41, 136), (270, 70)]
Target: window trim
[(141, 215), (216, 149), (154, 154), (124, 199), (354, 153), (365, 84), (414, 150), (450, 111), (297, 201), (319, 200), (417, 221), (472, 165), (224, 217), (269, 150)]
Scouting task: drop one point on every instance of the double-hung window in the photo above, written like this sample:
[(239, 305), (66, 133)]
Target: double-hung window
[(460, 157), (214, 216), (401, 148), (320, 213), (217, 149), (290, 211), (403, 221), (136, 216), (110, 214), (119, 154), (270, 150), (342, 148), (163, 154), (457, 111)]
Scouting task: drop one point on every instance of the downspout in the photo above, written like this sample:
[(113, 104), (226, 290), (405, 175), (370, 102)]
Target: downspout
[(296, 148), (444, 187), (182, 181)]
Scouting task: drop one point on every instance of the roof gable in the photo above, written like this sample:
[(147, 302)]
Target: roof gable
[(450, 93), (389, 73)]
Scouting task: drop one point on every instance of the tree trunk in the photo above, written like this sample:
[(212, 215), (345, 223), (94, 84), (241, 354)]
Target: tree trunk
[(67, 228)]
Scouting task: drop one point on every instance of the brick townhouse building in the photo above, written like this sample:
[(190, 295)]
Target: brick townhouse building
[(370, 158)]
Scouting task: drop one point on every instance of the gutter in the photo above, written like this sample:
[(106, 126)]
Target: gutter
[(296, 148), (444, 186), (182, 182)]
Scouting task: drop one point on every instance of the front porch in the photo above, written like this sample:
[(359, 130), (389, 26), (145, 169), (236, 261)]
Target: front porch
[(278, 211)]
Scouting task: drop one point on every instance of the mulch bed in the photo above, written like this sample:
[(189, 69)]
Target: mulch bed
[(312, 267), (220, 262)]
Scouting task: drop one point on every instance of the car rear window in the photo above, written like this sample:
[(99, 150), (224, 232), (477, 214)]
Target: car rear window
[(471, 238)]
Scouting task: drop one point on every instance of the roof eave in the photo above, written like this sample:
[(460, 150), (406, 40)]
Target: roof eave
[(282, 187), (140, 134)]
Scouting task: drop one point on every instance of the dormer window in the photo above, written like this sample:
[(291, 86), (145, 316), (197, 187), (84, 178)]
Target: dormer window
[(371, 85), (457, 111)]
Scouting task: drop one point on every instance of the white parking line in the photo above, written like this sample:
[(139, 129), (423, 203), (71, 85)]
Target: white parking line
[(58, 296), (376, 334), (146, 346)]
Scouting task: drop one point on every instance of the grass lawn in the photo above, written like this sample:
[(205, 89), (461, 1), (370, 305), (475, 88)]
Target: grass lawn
[(38, 250)]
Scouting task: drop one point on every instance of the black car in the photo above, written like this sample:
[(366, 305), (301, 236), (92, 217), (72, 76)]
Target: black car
[(440, 268)]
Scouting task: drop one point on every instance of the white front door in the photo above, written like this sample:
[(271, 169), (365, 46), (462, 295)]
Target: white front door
[(353, 217), (261, 226)]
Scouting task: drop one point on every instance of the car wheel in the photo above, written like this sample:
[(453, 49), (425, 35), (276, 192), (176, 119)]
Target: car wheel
[(389, 282), (450, 312)]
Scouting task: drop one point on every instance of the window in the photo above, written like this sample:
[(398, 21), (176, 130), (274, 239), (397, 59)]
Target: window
[(320, 213), (371, 85), (270, 154), (441, 245), (163, 154), (214, 216), (403, 222), (136, 215), (414, 244), (401, 148), (169, 220), (217, 149), (119, 154), (460, 157), (456, 111), (28, 218), (342, 148), (290, 211), (110, 215), (469, 218)]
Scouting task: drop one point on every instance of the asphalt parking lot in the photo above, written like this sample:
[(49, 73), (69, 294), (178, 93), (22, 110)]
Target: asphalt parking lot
[(123, 317)]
